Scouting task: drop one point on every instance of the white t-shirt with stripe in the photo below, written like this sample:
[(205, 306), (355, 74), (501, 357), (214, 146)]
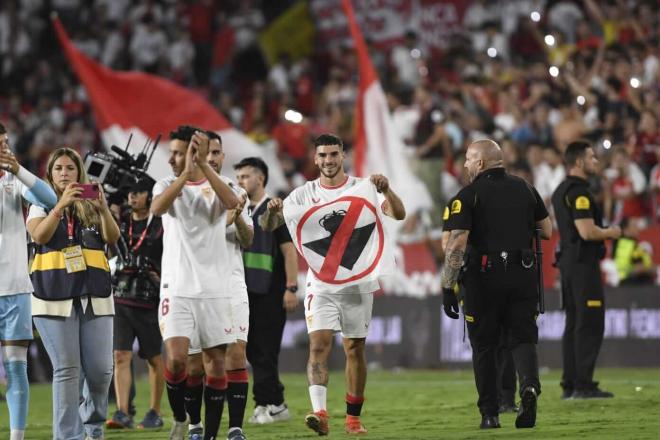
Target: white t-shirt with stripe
[(315, 193)]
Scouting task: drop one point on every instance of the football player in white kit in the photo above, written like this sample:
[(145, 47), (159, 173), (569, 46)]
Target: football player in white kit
[(348, 310), (195, 296), (239, 234), (16, 185)]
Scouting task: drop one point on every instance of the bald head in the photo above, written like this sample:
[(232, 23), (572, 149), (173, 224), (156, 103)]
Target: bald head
[(488, 151), (482, 155)]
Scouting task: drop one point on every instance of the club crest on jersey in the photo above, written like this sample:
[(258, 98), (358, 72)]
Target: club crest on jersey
[(207, 191)]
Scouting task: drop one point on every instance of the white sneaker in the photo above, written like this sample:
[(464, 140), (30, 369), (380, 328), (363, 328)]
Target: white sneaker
[(178, 430), (260, 415), (279, 413)]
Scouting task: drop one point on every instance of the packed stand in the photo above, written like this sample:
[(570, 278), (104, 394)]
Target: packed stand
[(533, 80)]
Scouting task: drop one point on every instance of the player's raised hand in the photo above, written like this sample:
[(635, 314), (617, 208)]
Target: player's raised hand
[(275, 205), (8, 161), (189, 167), (380, 182), (201, 143)]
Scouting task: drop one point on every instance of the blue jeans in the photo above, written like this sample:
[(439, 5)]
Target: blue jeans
[(79, 346)]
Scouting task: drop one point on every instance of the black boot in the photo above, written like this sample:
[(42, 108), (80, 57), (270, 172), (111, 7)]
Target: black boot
[(490, 422), (527, 412)]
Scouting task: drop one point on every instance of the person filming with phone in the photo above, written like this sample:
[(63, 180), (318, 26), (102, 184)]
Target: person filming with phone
[(72, 303)]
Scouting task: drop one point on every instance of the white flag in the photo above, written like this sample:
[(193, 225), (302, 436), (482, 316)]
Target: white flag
[(344, 241)]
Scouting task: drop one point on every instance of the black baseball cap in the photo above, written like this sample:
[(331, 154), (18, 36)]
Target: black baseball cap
[(144, 184)]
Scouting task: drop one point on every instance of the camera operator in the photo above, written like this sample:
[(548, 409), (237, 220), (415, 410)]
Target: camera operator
[(136, 289)]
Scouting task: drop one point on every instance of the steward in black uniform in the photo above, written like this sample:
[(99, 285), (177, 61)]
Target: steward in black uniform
[(581, 233), (492, 223), (506, 369)]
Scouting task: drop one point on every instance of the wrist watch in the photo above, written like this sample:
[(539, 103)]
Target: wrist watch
[(292, 289)]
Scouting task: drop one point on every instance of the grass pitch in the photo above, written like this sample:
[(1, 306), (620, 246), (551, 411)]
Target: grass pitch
[(427, 405)]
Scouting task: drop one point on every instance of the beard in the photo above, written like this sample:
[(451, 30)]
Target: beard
[(329, 175)]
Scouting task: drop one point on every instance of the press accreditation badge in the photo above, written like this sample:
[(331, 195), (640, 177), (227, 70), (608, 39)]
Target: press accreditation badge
[(73, 259)]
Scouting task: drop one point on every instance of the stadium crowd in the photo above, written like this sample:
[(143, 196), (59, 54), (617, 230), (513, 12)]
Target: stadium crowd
[(532, 81)]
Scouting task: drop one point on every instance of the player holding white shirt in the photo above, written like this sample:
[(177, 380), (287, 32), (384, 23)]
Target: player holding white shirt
[(195, 298), (348, 310), (239, 234)]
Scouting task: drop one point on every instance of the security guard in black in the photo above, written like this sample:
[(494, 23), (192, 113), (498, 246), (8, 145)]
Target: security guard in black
[(582, 236), (492, 223)]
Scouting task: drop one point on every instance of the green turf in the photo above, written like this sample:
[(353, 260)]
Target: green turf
[(431, 405)]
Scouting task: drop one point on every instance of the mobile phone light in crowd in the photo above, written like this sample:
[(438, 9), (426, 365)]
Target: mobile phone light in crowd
[(580, 100), (293, 116), (607, 144), (415, 53), (492, 52), (554, 71), (635, 82), (549, 40), (535, 16)]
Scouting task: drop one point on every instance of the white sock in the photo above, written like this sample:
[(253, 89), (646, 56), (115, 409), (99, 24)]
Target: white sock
[(199, 425), (16, 435), (318, 395)]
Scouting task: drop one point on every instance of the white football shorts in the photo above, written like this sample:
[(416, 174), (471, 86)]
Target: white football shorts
[(348, 313)]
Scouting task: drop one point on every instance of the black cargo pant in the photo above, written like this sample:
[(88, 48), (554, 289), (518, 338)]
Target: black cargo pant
[(267, 319), (584, 303), (501, 299), (506, 369)]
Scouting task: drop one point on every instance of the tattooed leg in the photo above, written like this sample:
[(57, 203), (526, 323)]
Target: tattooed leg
[(320, 344)]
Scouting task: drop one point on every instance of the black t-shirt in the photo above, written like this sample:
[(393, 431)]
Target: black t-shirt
[(572, 200), (132, 287), (152, 245), (499, 210)]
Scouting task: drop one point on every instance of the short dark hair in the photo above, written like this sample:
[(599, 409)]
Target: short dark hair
[(3, 130), (328, 139), (214, 135), (574, 151), (184, 132), (254, 162)]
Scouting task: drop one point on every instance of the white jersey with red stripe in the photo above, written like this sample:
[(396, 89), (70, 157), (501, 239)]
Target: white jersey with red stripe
[(195, 252), (315, 193)]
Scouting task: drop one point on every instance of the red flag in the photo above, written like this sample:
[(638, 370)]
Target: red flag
[(146, 105), (378, 148)]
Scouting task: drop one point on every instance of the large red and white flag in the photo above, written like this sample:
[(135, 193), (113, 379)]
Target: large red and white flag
[(343, 241), (378, 148), (144, 105)]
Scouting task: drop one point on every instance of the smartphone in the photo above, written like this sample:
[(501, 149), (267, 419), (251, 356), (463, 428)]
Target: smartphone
[(90, 191)]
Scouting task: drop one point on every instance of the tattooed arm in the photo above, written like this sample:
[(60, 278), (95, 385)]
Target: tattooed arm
[(454, 257)]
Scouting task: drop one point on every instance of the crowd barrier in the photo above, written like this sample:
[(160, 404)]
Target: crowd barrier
[(414, 333)]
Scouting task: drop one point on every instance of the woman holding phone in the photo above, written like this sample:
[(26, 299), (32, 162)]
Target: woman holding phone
[(72, 304)]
